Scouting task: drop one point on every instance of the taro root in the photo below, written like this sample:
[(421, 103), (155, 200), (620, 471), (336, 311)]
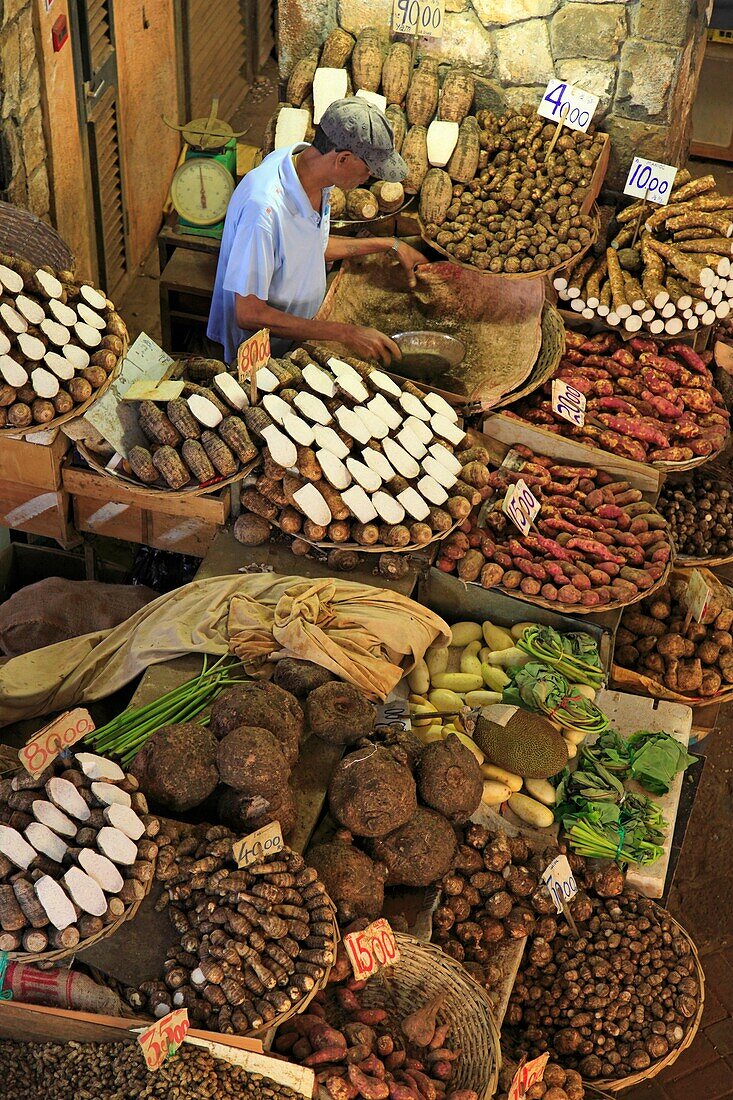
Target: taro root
[(245, 814), (264, 705), (177, 766), (370, 793), (353, 881), (418, 852), (449, 779), (299, 678), (251, 761), (339, 713)]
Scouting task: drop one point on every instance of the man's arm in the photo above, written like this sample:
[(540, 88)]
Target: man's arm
[(343, 248)]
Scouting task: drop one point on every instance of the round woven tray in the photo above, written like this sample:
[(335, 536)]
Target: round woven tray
[(422, 973), (548, 360), (377, 548), (23, 234), (162, 489), (72, 414)]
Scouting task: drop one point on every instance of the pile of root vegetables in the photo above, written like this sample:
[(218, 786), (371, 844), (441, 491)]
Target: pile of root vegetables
[(76, 849), (350, 457), (556, 1083), (595, 541), (253, 942), (699, 511), (647, 402), (674, 277), (59, 340)]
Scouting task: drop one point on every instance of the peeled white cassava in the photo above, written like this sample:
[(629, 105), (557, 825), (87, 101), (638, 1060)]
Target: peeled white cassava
[(363, 475), (12, 372), (376, 461), (291, 126), (330, 441), (44, 383), (328, 86), (31, 347), (90, 317), (390, 510), (407, 439), (93, 297), (89, 336), (30, 309), (357, 501), (55, 332), (298, 429), (11, 280), (376, 98), (442, 140), (445, 457), (204, 410), (62, 313), (431, 490), (13, 320), (78, 357), (310, 501)]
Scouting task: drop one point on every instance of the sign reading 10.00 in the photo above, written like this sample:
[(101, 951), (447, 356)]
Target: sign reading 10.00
[(647, 179)]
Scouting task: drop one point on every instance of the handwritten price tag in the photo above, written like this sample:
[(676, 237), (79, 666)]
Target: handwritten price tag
[(521, 505), (391, 713), (697, 596), (371, 949), (564, 103), (418, 17), (648, 179), (528, 1074), (568, 402), (164, 1037), (560, 881), (253, 354), (58, 735), (266, 841)]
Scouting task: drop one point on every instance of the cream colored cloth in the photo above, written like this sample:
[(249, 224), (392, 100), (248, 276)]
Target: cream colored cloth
[(269, 614)]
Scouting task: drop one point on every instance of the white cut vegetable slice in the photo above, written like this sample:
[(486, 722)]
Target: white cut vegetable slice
[(442, 140), (312, 408), (420, 428), (432, 490), (376, 98), (298, 429), (11, 280), (89, 317), (12, 319), (330, 441), (276, 407), (116, 846), (46, 841), (126, 820), (343, 370), (44, 382), (376, 461), (90, 337), (64, 314), (204, 410), (12, 372), (267, 382), (231, 390), (98, 767), (359, 503), (78, 357), (313, 505), (291, 126), (383, 382), (85, 892), (443, 476), (388, 508), (33, 348), (282, 449), (445, 428), (318, 380), (56, 903), (30, 309), (109, 794), (4, 344), (363, 475), (373, 423), (16, 848), (57, 333), (102, 870), (353, 388), (65, 796), (446, 458), (407, 439), (352, 425), (438, 404), (413, 406), (334, 471), (413, 503), (386, 412), (53, 817), (403, 463), (51, 285), (93, 297), (328, 86)]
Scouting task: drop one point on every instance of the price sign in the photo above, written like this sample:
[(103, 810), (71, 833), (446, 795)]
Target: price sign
[(564, 103), (697, 596), (418, 17), (647, 179), (560, 881), (267, 841), (58, 735), (371, 949), (253, 354), (528, 1074), (391, 713), (521, 505), (568, 402), (164, 1037)]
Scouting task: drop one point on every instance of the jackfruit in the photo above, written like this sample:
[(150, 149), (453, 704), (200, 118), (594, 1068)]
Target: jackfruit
[(527, 745)]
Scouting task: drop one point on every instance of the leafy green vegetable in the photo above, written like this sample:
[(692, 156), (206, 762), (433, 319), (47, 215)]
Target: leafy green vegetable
[(575, 655), (656, 758), (546, 691)]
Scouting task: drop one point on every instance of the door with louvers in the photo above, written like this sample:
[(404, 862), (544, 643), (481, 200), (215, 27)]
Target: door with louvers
[(215, 55)]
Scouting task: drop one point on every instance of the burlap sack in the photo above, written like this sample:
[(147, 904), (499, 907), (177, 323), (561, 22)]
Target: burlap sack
[(55, 609)]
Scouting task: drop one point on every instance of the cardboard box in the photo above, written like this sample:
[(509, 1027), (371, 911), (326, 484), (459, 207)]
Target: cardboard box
[(35, 460)]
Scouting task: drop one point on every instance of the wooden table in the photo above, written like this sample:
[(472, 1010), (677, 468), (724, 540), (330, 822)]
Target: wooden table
[(187, 272)]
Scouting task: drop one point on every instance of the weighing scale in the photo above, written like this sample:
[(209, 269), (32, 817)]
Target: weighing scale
[(203, 184)]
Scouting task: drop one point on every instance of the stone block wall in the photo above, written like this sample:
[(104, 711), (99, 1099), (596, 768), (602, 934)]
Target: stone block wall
[(23, 153), (642, 57)]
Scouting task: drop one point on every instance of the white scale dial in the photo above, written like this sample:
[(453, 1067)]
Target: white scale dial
[(201, 189)]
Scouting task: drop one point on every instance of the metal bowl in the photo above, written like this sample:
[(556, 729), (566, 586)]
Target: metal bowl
[(449, 348)]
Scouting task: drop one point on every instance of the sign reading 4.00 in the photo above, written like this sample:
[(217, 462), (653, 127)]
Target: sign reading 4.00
[(648, 179), (564, 103), (419, 17)]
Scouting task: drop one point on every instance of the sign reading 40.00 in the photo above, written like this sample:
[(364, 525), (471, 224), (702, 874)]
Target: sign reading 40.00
[(564, 103)]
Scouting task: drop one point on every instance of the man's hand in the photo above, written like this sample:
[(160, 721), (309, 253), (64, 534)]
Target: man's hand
[(410, 258), (369, 343)]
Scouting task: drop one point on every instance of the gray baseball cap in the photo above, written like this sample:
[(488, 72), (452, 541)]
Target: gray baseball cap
[(359, 127)]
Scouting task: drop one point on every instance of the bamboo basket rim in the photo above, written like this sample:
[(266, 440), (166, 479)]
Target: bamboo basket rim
[(376, 548), (165, 490), (436, 965), (26, 235), (611, 1084), (553, 330), (380, 219)]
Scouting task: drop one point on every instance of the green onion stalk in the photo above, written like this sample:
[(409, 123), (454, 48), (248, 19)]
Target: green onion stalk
[(611, 841), (575, 655), (126, 734), (546, 691)]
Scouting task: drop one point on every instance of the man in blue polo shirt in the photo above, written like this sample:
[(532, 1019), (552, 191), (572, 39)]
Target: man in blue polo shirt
[(272, 264)]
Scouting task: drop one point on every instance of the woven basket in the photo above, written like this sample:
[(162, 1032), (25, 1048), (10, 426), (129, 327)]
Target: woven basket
[(548, 360), (23, 234), (423, 973)]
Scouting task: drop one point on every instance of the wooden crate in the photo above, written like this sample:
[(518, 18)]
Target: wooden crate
[(35, 460), (37, 511)]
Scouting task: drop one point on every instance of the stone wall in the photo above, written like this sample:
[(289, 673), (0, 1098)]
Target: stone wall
[(23, 175), (641, 57)]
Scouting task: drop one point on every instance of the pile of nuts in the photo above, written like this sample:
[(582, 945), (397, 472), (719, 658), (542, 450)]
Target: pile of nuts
[(614, 1001), (699, 512)]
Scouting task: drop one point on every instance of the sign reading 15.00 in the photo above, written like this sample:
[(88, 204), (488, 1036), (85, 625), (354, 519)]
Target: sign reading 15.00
[(571, 106), (418, 17)]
